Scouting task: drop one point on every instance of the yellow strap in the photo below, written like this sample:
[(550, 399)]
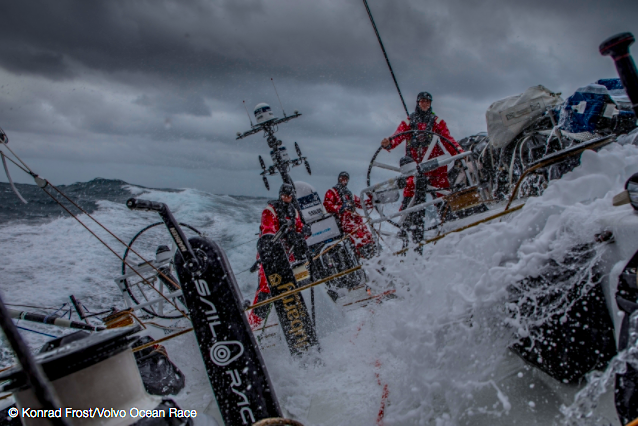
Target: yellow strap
[(297, 290), (156, 342), (487, 219)]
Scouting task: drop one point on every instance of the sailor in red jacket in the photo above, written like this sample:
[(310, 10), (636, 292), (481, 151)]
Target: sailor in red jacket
[(420, 147), (274, 215), (343, 204), (423, 118)]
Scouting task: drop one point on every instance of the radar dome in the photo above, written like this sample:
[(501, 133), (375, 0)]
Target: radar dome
[(263, 113)]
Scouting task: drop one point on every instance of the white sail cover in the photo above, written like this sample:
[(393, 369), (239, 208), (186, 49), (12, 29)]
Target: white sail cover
[(508, 117)]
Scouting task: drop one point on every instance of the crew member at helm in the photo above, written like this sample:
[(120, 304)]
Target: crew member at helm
[(423, 118), (417, 146), (343, 204), (277, 214)]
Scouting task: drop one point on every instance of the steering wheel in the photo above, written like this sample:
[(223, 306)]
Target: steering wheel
[(385, 166), (374, 163), (139, 292)]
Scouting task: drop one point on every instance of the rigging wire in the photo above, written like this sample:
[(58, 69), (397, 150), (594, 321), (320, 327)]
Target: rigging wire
[(42, 183), (376, 31), (245, 270), (45, 183), (14, 154), (280, 104), (17, 165), (251, 121), (34, 307), (112, 234), (241, 244)]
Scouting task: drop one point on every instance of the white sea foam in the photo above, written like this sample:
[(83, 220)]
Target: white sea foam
[(440, 347)]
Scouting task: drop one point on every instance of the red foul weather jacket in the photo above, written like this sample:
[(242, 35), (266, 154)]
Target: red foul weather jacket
[(269, 225), (351, 223), (438, 178)]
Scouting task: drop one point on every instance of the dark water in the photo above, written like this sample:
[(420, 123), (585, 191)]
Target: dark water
[(42, 207)]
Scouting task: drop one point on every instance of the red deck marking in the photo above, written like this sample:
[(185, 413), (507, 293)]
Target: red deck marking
[(384, 396)]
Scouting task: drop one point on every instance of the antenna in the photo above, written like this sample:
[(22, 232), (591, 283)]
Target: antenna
[(273, 85), (251, 121), (374, 26)]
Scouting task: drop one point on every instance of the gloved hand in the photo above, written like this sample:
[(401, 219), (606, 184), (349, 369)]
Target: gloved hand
[(293, 237), (424, 138), (421, 183), (255, 267), (286, 226), (402, 182)]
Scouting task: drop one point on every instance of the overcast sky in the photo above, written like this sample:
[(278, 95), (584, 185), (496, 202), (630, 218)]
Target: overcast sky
[(151, 92)]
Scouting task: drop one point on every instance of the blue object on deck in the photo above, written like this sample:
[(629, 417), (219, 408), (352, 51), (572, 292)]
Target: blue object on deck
[(583, 110), (611, 83)]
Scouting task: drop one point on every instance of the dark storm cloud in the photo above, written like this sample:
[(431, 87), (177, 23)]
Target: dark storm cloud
[(26, 59), (192, 104), (197, 43), (161, 83), (182, 41)]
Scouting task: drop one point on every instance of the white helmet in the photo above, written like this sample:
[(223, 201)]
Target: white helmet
[(263, 113)]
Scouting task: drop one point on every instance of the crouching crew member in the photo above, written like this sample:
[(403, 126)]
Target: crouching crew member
[(343, 204), (280, 213)]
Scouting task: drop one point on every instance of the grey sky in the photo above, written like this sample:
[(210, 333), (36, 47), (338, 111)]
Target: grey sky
[(151, 92)]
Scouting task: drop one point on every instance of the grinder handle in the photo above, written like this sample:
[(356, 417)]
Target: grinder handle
[(618, 48)]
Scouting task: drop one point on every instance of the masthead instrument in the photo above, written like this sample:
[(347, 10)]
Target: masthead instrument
[(268, 123)]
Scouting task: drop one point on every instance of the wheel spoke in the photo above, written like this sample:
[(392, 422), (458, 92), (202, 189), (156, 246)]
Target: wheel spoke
[(144, 296), (386, 166), (160, 305)]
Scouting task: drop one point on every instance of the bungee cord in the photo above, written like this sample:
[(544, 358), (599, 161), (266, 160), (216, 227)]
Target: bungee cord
[(37, 332)]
